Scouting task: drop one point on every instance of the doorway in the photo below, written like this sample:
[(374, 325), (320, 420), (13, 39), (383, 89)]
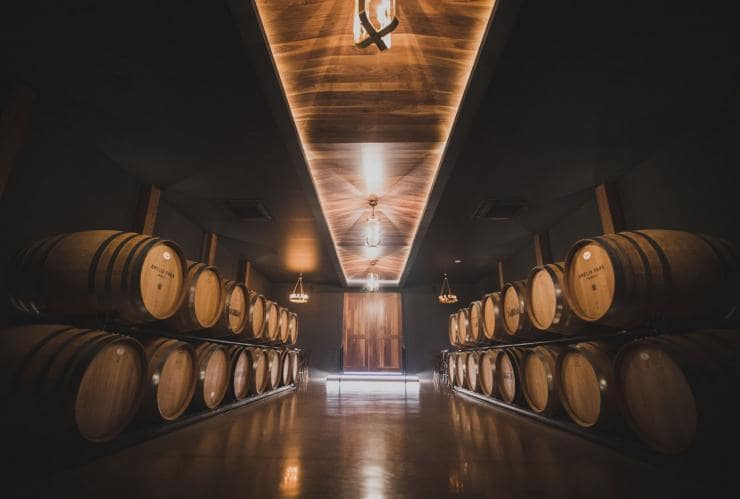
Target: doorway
[(372, 337)]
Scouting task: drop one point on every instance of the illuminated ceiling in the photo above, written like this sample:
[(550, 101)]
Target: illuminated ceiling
[(374, 123)]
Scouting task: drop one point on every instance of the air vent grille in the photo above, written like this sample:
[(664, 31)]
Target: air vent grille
[(497, 209), (248, 210)]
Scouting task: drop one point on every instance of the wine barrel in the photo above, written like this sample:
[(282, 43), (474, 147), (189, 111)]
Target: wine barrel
[(292, 328), (452, 327), (508, 374), (629, 278), (587, 389), (257, 324), (258, 372), (204, 299), (171, 379), (461, 370), (493, 320), (287, 371), (283, 333), (487, 373), (295, 360), (138, 278), (213, 376), (234, 316), (547, 306), (451, 367), (473, 380), (516, 321), (71, 383), (274, 369), (272, 316), (540, 380), (475, 317), (463, 327), (678, 392), (238, 373)]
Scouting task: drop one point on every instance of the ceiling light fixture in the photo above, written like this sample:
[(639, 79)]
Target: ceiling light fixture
[(298, 295), (373, 22), (446, 296), (373, 281), (372, 229)]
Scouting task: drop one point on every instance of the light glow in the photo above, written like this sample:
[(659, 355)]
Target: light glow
[(380, 13)]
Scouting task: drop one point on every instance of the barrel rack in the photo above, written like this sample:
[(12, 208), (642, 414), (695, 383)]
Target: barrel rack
[(623, 443), (65, 454)]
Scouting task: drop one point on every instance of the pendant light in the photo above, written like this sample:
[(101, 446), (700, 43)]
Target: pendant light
[(373, 281), (373, 22), (298, 295), (446, 296), (372, 228)]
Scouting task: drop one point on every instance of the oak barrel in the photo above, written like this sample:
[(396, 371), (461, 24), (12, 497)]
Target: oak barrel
[(463, 327), (258, 372), (292, 328), (452, 328), (171, 379), (451, 367), (508, 374), (257, 310), (238, 373), (516, 320), (487, 373), (475, 317), (234, 315), (678, 392), (473, 380), (272, 318), (69, 382), (283, 333), (295, 360), (274, 368), (540, 379), (213, 375), (461, 370), (630, 278), (204, 299), (547, 305), (287, 368), (138, 278), (587, 389), (493, 320)]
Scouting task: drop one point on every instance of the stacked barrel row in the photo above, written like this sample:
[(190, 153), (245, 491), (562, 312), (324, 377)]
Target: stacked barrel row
[(89, 384), (624, 280), (677, 392), (137, 279)]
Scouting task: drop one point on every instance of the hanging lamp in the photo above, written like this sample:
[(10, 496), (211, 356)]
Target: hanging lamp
[(372, 229), (446, 296), (373, 22), (298, 295)]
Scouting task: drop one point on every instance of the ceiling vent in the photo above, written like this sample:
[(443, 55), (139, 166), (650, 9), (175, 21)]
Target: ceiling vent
[(496, 209), (248, 210)]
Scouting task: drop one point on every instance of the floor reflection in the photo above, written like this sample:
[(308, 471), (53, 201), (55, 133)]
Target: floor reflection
[(360, 440)]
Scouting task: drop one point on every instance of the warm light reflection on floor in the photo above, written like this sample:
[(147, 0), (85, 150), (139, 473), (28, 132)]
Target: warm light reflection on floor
[(368, 387)]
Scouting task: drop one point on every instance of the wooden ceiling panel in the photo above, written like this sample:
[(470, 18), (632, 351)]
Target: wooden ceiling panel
[(374, 124)]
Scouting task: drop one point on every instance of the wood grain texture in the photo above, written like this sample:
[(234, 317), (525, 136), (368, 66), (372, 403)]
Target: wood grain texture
[(371, 123), (372, 332)]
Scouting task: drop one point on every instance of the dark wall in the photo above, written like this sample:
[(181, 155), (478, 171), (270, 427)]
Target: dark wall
[(173, 225), (60, 183), (583, 223)]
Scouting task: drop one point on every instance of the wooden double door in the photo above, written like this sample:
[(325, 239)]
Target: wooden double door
[(372, 332)]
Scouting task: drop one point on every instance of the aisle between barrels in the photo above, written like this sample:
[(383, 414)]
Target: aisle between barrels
[(365, 440)]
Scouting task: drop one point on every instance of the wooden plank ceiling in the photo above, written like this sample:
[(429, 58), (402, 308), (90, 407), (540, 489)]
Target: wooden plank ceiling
[(374, 123)]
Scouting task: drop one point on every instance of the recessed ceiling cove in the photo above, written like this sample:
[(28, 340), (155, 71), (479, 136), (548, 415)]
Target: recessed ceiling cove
[(374, 124)]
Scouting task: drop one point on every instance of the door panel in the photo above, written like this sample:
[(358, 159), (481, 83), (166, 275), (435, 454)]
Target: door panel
[(372, 332)]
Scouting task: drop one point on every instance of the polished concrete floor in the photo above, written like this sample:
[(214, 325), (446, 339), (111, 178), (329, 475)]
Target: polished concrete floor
[(363, 440)]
